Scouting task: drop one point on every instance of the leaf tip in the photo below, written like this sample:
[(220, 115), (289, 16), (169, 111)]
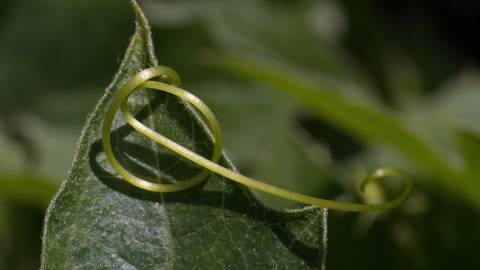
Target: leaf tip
[(139, 15)]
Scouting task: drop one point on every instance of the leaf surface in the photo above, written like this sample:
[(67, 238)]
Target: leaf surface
[(99, 221)]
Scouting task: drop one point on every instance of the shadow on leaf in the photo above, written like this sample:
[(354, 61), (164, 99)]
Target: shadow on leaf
[(215, 192)]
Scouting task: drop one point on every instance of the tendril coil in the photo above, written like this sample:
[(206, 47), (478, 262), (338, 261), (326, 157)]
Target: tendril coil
[(142, 80)]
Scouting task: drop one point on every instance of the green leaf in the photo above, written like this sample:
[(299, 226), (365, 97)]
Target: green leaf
[(286, 30), (368, 122), (469, 144), (59, 51), (27, 189), (99, 221)]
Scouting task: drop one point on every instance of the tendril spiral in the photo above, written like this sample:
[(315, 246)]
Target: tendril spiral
[(143, 80)]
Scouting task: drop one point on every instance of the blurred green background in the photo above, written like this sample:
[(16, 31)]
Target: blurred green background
[(414, 61)]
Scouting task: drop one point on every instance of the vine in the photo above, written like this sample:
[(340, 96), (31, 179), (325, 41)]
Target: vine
[(142, 80)]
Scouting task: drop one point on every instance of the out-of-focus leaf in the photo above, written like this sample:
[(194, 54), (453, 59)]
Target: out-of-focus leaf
[(47, 153), (97, 220), (243, 108), (453, 107), (328, 20), (47, 57), (285, 31), (439, 117), (11, 156), (176, 13), (469, 145), (369, 122), (27, 189)]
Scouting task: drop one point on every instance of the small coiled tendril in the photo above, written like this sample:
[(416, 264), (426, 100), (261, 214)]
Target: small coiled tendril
[(143, 80)]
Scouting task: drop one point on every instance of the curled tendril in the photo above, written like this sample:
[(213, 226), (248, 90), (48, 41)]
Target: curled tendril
[(142, 81)]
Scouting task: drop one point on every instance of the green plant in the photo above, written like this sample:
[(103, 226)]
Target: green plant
[(143, 80), (98, 219), (379, 88), (93, 205)]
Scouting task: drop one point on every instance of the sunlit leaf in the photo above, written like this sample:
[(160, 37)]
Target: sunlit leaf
[(99, 221)]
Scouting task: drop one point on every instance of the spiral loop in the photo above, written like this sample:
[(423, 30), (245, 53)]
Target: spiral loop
[(143, 80)]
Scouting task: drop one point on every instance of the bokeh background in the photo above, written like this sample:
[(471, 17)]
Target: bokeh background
[(416, 60)]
